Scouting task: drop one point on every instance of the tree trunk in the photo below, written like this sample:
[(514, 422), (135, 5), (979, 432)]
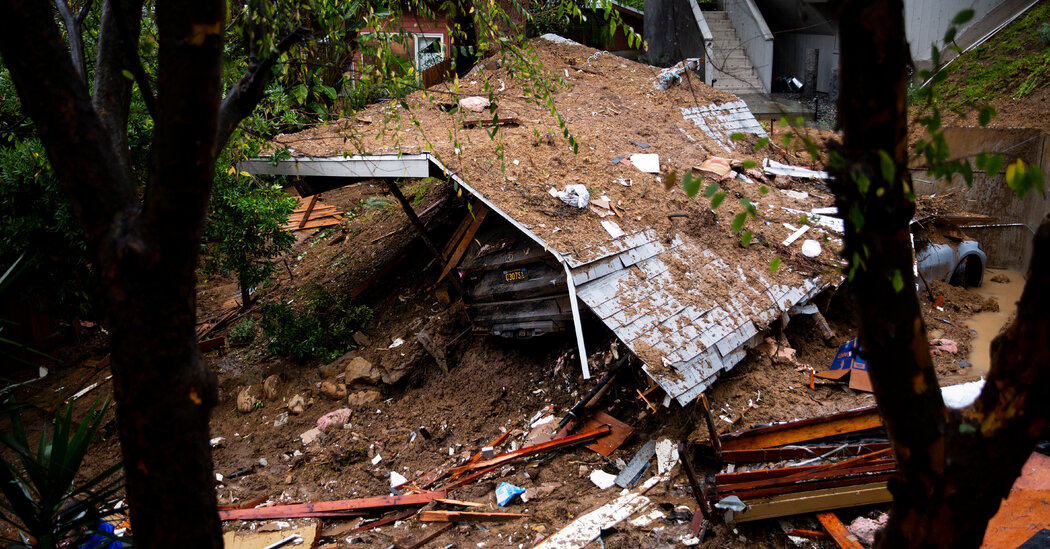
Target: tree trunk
[(954, 466)]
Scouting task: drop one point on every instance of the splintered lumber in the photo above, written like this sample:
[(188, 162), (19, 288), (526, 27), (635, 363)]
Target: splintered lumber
[(801, 452), (464, 242), (331, 508), (460, 503), (794, 432), (499, 121), (535, 449), (712, 432), (429, 537), (309, 208), (456, 516), (580, 532), (838, 531), (768, 482), (813, 501)]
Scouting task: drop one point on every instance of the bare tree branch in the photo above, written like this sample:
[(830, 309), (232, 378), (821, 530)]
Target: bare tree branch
[(75, 32), (79, 146), (111, 97), (246, 94)]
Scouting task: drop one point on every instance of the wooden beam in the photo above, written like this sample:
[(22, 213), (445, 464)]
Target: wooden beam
[(459, 502), (309, 208), (464, 242), (838, 531), (331, 508), (800, 452), (455, 516), (429, 537), (801, 431), (813, 501), (536, 449), (457, 236), (712, 432)]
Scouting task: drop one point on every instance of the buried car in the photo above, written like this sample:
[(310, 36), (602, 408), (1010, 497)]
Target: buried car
[(960, 263)]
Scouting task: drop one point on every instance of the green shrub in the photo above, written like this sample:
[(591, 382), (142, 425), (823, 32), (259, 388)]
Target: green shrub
[(1044, 33), (324, 329), (243, 333)]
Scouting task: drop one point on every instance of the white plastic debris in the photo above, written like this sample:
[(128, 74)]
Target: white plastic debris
[(377, 459), (217, 442), (733, 503), (575, 195), (811, 248), (601, 479), (397, 343), (962, 395), (646, 162), (396, 479)]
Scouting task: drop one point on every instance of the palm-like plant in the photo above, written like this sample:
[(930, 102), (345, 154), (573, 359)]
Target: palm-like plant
[(43, 497)]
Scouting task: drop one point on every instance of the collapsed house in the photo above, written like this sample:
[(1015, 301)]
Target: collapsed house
[(673, 278)]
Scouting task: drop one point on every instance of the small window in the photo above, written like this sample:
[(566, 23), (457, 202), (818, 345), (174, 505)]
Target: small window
[(430, 50)]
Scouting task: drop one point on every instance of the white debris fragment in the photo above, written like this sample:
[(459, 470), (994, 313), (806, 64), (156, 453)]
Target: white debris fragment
[(601, 479), (646, 162), (377, 459), (396, 479), (666, 455), (613, 229), (795, 235), (811, 248)]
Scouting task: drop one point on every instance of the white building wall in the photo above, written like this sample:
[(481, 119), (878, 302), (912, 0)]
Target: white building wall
[(926, 20)]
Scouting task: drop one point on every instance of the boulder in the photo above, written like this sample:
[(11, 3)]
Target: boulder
[(271, 386), (245, 400), (334, 391), (296, 405), (364, 397), (360, 369)]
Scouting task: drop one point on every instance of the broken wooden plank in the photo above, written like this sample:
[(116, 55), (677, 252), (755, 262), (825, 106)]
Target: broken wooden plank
[(712, 432), (838, 531), (213, 343), (456, 516), (309, 208), (429, 537), (322, 508), (637, 464), (431, 347), (499, 121), (536, 449), (447, 501), (464, 242), (580, 532), (800, 452), (793, 432), (813, 501)]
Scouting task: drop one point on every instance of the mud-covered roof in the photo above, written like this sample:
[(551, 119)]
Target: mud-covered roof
[(663, 270)]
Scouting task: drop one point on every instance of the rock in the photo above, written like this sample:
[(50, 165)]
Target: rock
[(332, 369), (310, 436), (270, 387), (245, 400), (296, 405), (1001, 279), (362, 340), (474, 103), (338, 417), (864, 528), (360, 369), (334, 391), (281, 419), (364, 397)]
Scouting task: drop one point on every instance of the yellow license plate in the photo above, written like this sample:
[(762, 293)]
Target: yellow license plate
[(515, 275)]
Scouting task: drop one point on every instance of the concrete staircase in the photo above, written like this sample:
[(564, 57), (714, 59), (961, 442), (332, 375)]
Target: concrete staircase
[(729, 66)]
